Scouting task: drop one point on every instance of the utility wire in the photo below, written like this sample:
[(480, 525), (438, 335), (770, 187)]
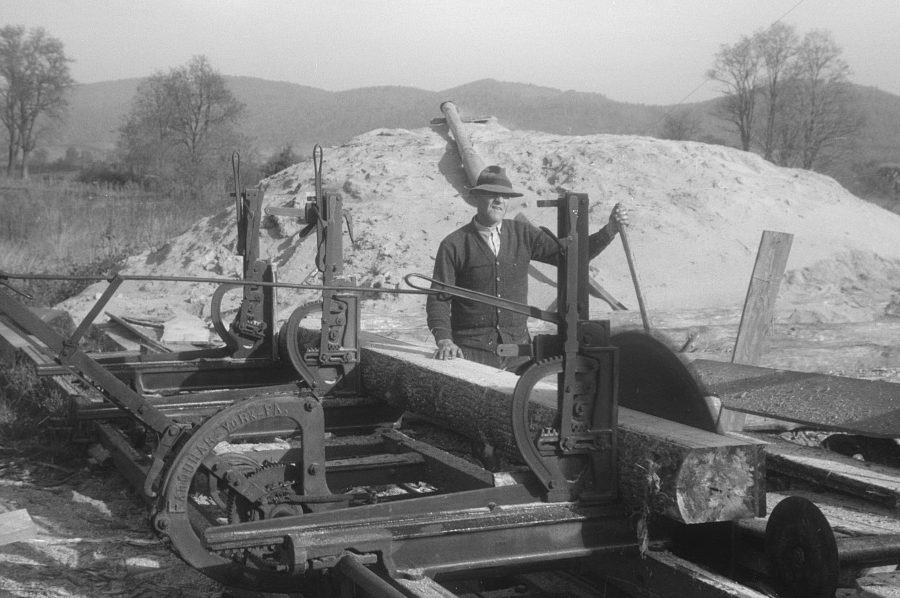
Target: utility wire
[(707, 79)]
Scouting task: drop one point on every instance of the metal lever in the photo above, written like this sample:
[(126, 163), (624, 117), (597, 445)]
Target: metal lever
[(449, 289), (4, 277)]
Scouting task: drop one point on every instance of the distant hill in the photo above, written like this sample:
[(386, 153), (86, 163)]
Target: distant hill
[(280, 113)]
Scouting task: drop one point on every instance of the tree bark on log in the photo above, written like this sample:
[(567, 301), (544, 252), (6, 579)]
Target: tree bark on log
[(684, 473)]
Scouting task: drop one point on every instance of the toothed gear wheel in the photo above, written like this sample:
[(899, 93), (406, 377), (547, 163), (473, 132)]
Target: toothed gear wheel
[(217, 490), (279, 481), (189, 504)]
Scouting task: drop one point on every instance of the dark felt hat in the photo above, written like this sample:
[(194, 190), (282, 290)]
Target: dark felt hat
[(493, 180)]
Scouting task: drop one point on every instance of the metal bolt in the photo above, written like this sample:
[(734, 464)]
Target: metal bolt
[(313, 469), (162, 523), (309, 405)]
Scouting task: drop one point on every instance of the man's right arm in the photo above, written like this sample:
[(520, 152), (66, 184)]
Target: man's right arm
[(437, 307)]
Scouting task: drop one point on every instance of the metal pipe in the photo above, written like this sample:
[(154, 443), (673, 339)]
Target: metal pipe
[(472, 162), (231, 281), (371, 583), (870, 550)]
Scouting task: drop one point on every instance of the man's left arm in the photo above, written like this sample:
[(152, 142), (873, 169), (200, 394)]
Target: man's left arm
[(548, 252), (600, 240)]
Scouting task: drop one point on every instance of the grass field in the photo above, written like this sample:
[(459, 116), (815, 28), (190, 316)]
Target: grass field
[(64, 227)]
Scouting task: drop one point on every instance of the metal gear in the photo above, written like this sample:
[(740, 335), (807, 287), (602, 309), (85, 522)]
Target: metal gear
[(279, 480), (217, 490), (198, 477)]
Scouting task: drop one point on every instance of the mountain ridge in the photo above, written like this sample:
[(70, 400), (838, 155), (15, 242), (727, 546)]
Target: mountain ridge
[(282, 113)]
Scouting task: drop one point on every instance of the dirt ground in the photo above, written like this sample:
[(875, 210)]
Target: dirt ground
[(698, 212)]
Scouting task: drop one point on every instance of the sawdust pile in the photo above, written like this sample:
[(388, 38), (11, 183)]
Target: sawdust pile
[(698, 213)]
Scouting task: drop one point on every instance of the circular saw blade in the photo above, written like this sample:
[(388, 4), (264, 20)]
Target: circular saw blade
[(653, 379)]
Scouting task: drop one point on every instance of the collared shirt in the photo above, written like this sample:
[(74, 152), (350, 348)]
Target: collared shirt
[(490, 234)]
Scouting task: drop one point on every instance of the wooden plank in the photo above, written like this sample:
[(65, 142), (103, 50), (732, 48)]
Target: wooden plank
[(885, 584), (661, 574), (16, 526), (847, 515), (702, 476), (424, 587), (11, 343), (143, 338), (869, 481), (759, 306)]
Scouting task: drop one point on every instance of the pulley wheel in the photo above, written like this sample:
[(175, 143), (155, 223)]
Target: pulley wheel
[(801, 551)]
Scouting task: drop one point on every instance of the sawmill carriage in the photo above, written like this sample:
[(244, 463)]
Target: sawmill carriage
[(282, 460)]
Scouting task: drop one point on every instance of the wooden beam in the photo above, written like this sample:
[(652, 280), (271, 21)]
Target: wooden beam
[(869, 481), (688, 474), (759, 309), (759, 306)]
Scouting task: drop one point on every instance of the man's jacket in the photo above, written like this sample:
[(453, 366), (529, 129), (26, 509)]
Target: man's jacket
[(464, 259)]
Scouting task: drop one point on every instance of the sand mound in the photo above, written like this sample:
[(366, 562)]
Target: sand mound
[(698, 213)]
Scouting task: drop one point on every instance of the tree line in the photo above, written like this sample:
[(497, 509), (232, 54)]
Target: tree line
[(788, 97), (181, 129)]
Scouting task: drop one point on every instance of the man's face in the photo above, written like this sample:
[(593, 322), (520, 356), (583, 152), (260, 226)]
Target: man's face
[(491, 208)]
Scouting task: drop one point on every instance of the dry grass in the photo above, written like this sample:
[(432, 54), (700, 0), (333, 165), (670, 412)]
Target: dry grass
[(26, 402), (69, 228)]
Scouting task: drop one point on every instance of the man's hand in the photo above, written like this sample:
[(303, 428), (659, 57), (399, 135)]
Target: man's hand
[(447, 349), (618, 219)]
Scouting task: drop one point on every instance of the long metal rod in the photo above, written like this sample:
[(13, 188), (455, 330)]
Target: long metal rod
[(519, 308), (197, 279), (645, 317), (371, 583)]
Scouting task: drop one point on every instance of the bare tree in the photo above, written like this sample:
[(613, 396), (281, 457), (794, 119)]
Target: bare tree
[(819, 117), (808, 116), (182, 125), (776, 47), (35, 78), (737, 68)]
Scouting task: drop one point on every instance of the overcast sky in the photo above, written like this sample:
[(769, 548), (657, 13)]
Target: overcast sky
[(646, 51)]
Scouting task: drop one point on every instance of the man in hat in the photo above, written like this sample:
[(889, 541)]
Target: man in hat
[(491, 255)]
